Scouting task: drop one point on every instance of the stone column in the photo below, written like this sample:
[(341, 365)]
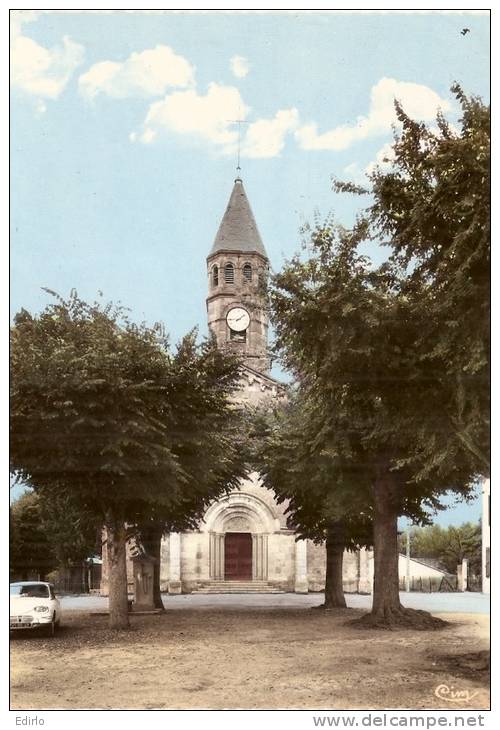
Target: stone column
[(216, 556), (462, 575), (165, 563), (301, 580), (174, 582), (259, 557), (364, 583), (104, 585)]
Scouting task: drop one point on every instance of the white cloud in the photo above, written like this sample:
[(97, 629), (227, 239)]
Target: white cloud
[(382, 160), (266, 137), (210, 118), (419, 102), (239, 66), (148, 136), (38, 71), (354, 173), (206, 117), (149, 73)]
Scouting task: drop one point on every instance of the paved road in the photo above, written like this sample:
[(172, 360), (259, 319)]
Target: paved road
[(434, 602)]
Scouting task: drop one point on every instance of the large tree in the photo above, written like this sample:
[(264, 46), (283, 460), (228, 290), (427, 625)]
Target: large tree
[(322, 501), (406, 387), (207, 436), (348, 325), (94, 418), (431, 208)]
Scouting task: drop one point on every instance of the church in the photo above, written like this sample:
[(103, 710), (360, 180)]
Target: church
[(243, 544)]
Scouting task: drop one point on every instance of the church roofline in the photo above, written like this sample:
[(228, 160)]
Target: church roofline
[(238, 230), (237, 252), (262, 375)]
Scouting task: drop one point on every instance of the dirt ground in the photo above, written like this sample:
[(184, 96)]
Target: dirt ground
[(263, 659)]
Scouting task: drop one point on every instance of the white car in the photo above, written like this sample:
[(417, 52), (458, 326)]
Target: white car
[(33, 605)]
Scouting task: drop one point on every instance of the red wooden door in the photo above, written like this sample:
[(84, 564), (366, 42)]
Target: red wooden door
[(238, 556)]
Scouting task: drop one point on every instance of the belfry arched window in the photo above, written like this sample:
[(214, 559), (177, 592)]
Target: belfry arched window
[(229, 274), (247, 272), (215, 276)]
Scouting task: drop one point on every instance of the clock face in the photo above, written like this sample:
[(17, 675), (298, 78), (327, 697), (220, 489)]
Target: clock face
[(238, 319)]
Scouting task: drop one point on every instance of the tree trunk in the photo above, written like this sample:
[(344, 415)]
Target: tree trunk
[(334, 587), (385, 545), (117, 556), (151, 537), (387, 610)]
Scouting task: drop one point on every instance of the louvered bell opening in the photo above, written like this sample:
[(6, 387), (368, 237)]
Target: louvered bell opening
[(215, 276), (237, 336), (229, 274), (247, 272)]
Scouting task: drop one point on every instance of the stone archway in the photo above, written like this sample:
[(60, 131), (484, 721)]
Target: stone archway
[(239, 512)]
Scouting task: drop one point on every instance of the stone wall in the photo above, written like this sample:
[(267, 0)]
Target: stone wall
[(281, 566), (316, 564), (192, 559), (223, 296), (281, 560)]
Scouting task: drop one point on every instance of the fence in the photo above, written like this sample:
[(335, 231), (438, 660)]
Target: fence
[(439, 584), (77, 579), (434, 584)]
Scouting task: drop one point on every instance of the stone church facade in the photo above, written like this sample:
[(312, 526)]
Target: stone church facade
[(243, 542)]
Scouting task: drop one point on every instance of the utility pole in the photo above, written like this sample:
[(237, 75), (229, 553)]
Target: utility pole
[(407, 582)]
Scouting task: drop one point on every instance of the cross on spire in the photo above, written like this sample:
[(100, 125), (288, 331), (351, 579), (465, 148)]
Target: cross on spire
[(239, 122)]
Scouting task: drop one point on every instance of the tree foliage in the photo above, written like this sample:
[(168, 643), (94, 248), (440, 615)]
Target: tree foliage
[(308, 473), (30, 551), (46, 534), (103, 414), (315, 483), (432, 209), (404, 384)]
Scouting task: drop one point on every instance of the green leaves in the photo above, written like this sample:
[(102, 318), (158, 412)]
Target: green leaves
[(103, 414), (397, 357), (309, 471)]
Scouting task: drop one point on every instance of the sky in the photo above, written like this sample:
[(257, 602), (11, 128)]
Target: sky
[(124, 145)]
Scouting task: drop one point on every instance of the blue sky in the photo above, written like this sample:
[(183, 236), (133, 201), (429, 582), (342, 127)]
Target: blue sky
[(123, 154)]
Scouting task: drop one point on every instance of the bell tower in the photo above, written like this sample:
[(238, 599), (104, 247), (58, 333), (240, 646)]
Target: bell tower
[(238, 268)]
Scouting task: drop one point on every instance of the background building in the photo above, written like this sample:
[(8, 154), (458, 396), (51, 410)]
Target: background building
[(243, 542), (486, 536)]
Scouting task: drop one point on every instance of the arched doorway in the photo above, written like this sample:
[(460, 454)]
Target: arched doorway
[(238, 556), (248, 520)]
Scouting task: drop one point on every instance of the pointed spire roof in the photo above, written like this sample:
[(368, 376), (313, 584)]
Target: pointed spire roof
[(238, 229)]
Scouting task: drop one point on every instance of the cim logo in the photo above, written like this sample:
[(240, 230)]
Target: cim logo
[(450, 694)]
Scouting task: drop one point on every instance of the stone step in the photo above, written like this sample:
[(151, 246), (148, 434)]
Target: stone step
[(238, 583), (233, 586), (207, 591)]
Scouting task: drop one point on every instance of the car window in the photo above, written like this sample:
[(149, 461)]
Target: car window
[(33, 591)]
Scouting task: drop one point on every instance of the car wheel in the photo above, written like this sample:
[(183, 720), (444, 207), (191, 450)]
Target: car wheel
[(51, 628)]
